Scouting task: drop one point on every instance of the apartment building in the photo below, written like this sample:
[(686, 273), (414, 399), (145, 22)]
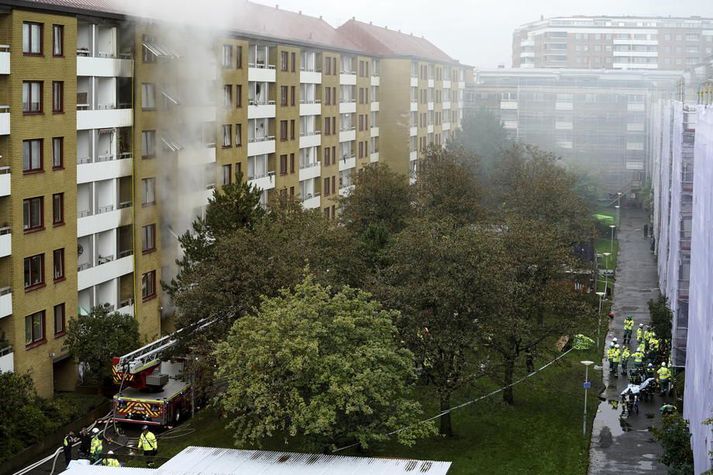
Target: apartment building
[(597, 121), (607, 42), (115, 130)]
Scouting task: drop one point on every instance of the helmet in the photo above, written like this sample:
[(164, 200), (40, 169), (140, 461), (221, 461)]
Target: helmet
[(145, 427), (651, 365), (614, 340), (663, 365), (641, 325), (95, 431), (611, 343), (629, 317), (616, 346), (111, 452)]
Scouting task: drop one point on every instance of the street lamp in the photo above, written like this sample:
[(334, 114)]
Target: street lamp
[(587, 384), (599, 324), (606, 271), (611, 241), (618, 214)]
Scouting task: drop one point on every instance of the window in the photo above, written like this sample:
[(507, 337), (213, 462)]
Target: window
[(31, 97), (326, 187), (328, 96), (148, 238), (57, 96), (283, 95), (327, 128), (34, 271), (58, 264), (227, 135), (33, 214), (239, 50), (283, 164), (59, 320), (228, 95), (227, 174), (292, 163), (57, 40), (35, 328), (227, 56), (326, 157), (327, 66), (148, 143), (147, 55), (148, 285), (293, 95), (32, 38), (284, 60), (57, 153), (58, 209), (148, 196), (32, 155), (238, 135), (292, 129), (238, 96), (148, 96), (283, 130), (294, 62)]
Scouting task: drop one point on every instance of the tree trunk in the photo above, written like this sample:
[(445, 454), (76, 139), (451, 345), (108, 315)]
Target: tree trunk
[(445, 421), (508, 377)]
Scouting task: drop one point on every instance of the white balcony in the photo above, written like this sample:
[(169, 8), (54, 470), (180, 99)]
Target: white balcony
[(413, 156), (310, 77), (564, 106), (200, 113), (104, 169), (374, 157), (188, 158), (527, 54), (446, 105), (104, 219), (374, 132), (127, 308), (445, 126), (635, 66), (311, 170), (374, 107), (4, 120), (347, 135), (528, 42), (266, 182), (636, 54), (7, 360), (261, 147), (312, 202), (345, 190), (563, 125), (314, 108), (347, 107), (446, 84), (461, 84), (413, 107), (348, 79), (5, 241), (311, 139), (375, 81), (4, 59), (347, 163), (636, 107), (431, 83), (510, 124), (4, 181), (414, 82), (104, 67), (5, 302), (110, 269), (430, 106), (261, 111), (429, 129), (104, 119), (413, 131), (506, 105), (262, 74)]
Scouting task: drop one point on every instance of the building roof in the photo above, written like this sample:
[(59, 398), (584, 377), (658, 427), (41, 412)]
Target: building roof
[(382, 41), (193, 460)]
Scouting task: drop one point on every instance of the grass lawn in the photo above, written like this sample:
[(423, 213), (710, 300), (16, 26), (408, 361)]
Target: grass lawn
[(541, 433), (602, 245)]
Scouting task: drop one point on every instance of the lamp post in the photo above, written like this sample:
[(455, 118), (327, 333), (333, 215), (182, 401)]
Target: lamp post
[(611, 241), (606, 271), (586, 385), (618, 214), (599, 324)]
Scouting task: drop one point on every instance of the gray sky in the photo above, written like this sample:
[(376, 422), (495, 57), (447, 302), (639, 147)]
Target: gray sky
[(479, 32)]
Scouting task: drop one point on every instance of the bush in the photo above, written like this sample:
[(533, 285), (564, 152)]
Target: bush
[(674, 436), (661, 317)]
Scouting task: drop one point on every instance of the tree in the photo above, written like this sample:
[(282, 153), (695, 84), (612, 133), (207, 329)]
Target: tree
[(445, 187), (322, 367), (95, 338), (482, 135), (439, 278), (661, 317), (536, 300), (377, 208), (675, 438)]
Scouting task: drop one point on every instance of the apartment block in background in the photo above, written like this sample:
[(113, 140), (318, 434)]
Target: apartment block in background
[(116, 130), (605, 42)]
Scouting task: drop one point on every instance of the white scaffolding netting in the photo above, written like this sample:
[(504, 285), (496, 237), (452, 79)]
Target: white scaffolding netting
[(674, 220), (664, 197), (698, 403)]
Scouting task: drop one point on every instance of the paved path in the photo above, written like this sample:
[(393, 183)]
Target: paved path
[(626, 445)]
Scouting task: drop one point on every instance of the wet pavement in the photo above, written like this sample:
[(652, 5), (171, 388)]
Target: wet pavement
[(626, 445)]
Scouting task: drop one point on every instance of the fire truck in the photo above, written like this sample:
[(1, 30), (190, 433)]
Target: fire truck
[(151, 391)]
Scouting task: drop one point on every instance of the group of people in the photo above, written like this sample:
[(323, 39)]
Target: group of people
[(645, 358), (91, 444)]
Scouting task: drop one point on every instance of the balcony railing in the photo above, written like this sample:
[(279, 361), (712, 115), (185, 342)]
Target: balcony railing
[(253, 102), (307, 133), (125, 253), (310, 101), (4, 108), (270, 174), (5, 230), (309, 165), (5, 351), (126, 302), (347, 100), (310, 196), (265, 138), (261, 65), (347, 128)]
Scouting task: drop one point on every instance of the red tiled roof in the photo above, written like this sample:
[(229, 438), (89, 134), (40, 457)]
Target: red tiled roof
[(385, 42)]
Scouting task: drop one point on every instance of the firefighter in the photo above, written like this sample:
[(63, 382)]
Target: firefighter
[(110, 461), (640, 333), (625, 354), (641, 348), (650, 371), (638, 359), (664, 378), (647, 335), (614, 362), (610, 354), (148, 443), (628, 328), (67, 443), (97, 447), (85, 441)]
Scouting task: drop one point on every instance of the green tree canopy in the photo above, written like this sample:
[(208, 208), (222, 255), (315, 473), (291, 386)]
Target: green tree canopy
[(325, 368), (94, 339), (482, 135)]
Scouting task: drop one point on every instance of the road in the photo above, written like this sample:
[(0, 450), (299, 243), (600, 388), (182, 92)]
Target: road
[(627, 445)]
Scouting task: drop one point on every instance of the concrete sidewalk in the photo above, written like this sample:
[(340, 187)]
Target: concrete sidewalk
[(626, 445)]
